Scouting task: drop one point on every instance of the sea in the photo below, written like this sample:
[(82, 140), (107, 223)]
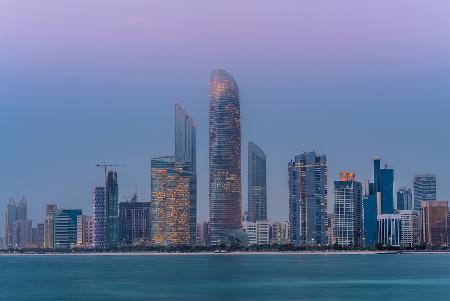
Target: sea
[(227, 277)]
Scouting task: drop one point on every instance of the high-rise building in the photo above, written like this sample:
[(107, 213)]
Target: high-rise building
[(112, 210), (308, 199), (404, 199), (348, 213), (370, 220), (99, 217), (410, 228), (424, 189), (203, 234), (171, 202), (257, 187), (22, 210), (225, 203), (186, 153), (280, 233), (65, 224), (434, 227), (49, 229), (10, 219), (22, 233), (134, 221), (85, 231), (40, 230)]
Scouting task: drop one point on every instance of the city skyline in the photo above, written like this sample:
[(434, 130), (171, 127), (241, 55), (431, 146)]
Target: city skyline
[(55, 128)]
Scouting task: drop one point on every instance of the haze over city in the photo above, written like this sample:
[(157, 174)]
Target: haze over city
[(79, 87)]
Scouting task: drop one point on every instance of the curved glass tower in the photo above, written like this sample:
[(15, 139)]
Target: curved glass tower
[(225, 208), (257, 188)]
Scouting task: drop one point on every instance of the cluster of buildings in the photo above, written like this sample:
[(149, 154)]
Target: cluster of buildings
[(360, 214)]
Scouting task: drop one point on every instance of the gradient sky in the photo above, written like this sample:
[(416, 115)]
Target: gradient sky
[(88, 81)]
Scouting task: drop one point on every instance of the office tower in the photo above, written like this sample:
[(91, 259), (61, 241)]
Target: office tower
[(225, 207), (389, 229), (185, 138), (65, 224), (434, 231), (424, 189), (22, 209), (99, 217), (10, 219), (40, 230), (348, 213), (186, 153), (85, 231), (22, 227), (257, 188), (171, 202), (49, 230), (410, 228), (134, 221), (404, 199), (308, 199), (112, 210), (280, 233), (203, 234), (383, 187)]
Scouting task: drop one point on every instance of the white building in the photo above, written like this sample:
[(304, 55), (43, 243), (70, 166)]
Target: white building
[(389, 229), (258, 233), (410, 228)]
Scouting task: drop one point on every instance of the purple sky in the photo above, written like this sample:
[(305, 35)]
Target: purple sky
[(351, 79)]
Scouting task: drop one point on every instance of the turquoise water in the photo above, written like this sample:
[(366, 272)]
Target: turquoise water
[(230, 277)]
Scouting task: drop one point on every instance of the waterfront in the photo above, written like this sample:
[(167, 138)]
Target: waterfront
[(232, 277)]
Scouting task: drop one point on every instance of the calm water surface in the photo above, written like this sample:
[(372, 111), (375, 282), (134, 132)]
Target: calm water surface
[(230, 277)]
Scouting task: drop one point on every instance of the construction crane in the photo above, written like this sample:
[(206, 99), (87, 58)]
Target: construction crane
[(105, 166)]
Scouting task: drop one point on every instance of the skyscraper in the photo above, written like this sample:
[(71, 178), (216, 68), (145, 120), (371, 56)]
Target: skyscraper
[(85, 229), (10, 219), (65, 224), (49, 230), (348, 215), (99, 217), (134, 221), (383, 187), (170, 206), (186, 153), (404, 199), (225, 203), (257, 188), (308, 199), (112, 210), (424, 189), (434, 231)]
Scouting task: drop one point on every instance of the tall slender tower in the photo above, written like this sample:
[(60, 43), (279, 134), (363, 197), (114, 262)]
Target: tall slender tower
[(308, 199), (186, 153), (112, 210), (257, 188), (10, 219), (99, 217), (225, 203), (49, 231)]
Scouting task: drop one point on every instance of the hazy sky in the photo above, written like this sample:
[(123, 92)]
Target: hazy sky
[(88, 81)]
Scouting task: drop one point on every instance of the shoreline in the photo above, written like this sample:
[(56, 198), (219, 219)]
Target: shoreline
[(227, 253)]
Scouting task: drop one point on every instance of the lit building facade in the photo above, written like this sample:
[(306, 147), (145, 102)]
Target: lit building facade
[(85, 231), (65, 224), (424, 189), (225, 203), (134, 221), (257, 187), (99, 217), (308, 199), (348, 213), (434, 225), (171, 201)]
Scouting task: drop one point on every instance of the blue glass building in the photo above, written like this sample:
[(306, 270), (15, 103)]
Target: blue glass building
[(112, 210), (65, 227), (257, 186), (370, 220)]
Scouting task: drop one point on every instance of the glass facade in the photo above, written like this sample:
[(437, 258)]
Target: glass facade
[(308, 199), (186, 153), (424, 189), (134, 221), (112, 210), (225, 204), (171, 202), (257, 188), (99, 217), (434, 216), (370, 220), (65, 224), (404, 199)]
